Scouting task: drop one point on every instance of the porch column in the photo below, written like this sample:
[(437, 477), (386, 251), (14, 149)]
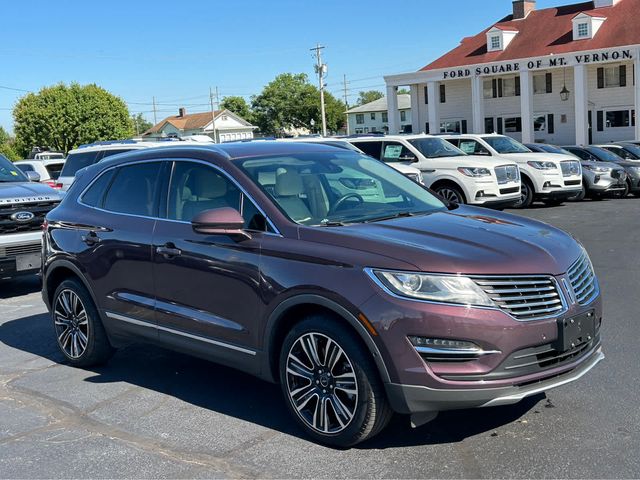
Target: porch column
[(582, 104), (636, 89), (433, 92), (392, 109), (477, 104), (415, 108), (526, 106)]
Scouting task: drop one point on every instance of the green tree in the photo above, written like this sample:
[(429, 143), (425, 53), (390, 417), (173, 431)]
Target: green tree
[(7, 146), (4, 136), (62, 117), (368, 97), (140, 124), (239, 106), (290, 101)]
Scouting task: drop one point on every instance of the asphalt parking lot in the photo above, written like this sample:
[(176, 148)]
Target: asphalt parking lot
[(154, 413)]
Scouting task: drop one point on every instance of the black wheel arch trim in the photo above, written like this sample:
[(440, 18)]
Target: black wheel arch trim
[(63, 263), (313, 299)]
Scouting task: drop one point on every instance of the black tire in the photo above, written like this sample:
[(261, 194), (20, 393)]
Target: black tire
[(451, 193), (627, 190), (369, 406), (98, 349), (578, 197), (553, 202), (526, 196)]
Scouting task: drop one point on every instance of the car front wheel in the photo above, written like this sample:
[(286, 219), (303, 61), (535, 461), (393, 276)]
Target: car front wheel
[(331, 384), (526, 195)]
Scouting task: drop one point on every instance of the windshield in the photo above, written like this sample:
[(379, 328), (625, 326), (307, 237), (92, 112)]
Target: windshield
[(506, 145), (331, 189), (9, 172), (604, 155), (436, 148), (554, 149), (633, 150)]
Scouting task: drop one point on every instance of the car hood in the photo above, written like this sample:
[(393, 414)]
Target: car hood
[(612, 165), (487, 161), (628, 163), (539, 157), (467, 240), (25, 192)]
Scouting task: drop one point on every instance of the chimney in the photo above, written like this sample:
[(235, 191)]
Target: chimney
[(522, 8), (182, 112), (604, 3)]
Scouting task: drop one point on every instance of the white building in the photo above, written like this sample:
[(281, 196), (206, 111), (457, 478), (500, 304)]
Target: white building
[(560, 75), (372, 117), (228, 126)]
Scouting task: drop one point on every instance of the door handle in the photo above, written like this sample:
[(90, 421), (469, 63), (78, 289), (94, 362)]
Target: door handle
[(91, 238), (430, 170), (169, 250)]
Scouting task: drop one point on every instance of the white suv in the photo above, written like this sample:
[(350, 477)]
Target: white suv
[(552, 178), (448, 171)]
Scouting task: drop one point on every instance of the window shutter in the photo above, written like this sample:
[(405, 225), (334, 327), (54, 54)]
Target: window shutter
[(488, 125), (600, 77), (549, 81), (494, 86), (623, 75), (426, 95), (517, 86), (426, 127), (550, 124), (600, 120), (499, 126), (443, 93), (464, 126), (519, 124), (500, 87)]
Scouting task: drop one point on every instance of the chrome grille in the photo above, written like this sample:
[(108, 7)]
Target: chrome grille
[(39, 210), (15, 250), (507, 173), (570, 168), (583, 280), (524, 297)]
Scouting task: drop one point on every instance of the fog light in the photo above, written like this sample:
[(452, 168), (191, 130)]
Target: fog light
[(480, 194), (444, 349), (596, 179), (444, 344), (546, 185)]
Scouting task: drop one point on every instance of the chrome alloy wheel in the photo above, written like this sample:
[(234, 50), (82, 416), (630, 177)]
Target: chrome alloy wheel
[(524, 193), (450, 195), (71, 324), (321, 383)]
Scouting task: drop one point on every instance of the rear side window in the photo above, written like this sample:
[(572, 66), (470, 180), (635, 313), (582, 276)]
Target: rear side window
[(25, 167), (370, 148), (95, 194), (78, 160), (109, 153), (134, 190), (54, 170)]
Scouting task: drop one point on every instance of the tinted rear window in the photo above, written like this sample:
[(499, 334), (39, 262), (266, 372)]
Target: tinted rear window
[(54, 170), (134, 190), (25, 167), (95, 194), (79, 160), (372, 149)]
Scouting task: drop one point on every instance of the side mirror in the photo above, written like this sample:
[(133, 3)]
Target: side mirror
[(33, 176), (220, 221)]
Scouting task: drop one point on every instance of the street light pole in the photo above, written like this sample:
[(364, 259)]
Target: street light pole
[(321, 70)]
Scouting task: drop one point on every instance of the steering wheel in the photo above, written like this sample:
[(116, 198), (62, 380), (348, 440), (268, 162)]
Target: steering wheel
[(343, 199)]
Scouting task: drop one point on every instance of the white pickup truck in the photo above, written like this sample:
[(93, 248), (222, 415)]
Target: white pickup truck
[(23, 207)]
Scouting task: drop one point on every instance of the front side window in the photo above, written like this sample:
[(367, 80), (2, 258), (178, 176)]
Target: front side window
[(322, 189), (396, 152), (9, 172), (436, 148), (134, 190), (360, 118), (503, 144), (472, 147)]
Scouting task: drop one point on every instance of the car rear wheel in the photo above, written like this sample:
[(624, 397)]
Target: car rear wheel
[(331, 384), (78, 328)]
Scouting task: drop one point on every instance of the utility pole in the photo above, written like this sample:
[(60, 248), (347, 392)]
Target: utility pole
[(155, 120), (213, 114), (321, 70), (346, 101)]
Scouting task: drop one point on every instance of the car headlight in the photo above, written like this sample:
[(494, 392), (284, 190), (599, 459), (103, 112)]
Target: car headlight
[(597, 169), (475, 171), (435, 288), (542, 165)]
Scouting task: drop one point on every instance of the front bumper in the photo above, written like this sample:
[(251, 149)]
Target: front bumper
[(20, 254), (410, 399), (491, 194)]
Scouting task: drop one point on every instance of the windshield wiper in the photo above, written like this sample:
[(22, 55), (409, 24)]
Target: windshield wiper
[(332, 224), (389, 217)]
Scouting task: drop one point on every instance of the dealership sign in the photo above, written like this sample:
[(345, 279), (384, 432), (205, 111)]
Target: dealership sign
[(537, 64)]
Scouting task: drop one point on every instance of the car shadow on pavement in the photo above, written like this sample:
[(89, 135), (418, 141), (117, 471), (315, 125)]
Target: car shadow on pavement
[(232, 393)]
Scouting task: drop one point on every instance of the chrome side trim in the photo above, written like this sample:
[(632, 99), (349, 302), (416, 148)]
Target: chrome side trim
[(124, 318), (463, 352)]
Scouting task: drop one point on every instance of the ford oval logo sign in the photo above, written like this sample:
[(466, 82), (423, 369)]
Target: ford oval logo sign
[(22, 217)]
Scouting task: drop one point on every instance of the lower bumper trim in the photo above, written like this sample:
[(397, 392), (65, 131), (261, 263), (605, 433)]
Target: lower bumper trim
[(409, 399)]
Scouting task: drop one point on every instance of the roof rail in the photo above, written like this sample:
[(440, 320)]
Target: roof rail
[(107, 142), (361, 135)]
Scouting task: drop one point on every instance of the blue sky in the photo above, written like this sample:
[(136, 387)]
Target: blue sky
[(138, 50)]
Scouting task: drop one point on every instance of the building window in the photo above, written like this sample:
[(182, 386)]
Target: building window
[(539, 84), (453, 126), (385, 117), (610, 77), (359, 131), (487, 88), (583, 30), (512, 125), (509, 87), (495, 42), (489, 126), (540, 123), (360, 118), (403, 116), (373, 116), (618, 119)]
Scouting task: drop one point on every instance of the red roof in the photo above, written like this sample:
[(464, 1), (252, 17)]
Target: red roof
[(549, 31)]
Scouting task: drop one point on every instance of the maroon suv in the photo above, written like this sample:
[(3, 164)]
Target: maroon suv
[(322, 269)]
